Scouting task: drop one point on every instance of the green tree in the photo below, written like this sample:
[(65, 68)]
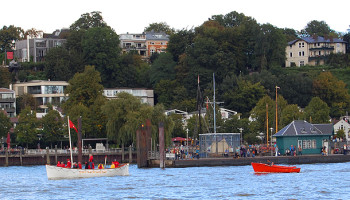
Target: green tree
[(126, 114), (163, 68), (179, 42), (26, 130), (25, 100), (159, 27), (57, 65), (85, 99), (318, 28), (333, 92), (52, 127), (5, 77), (340, 134), (134, 70), (317, 112), (101, 48), (9, 34), (5, 124), (89, 20), (243, 96), (290, 113)]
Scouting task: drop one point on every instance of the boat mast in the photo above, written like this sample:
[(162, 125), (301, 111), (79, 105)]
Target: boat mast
[(70, 143), (216, 138)]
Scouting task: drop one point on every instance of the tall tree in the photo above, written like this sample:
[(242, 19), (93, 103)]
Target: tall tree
[(57, 66), (101, 48), (52, 124), (5, 124), (162, 69), (333, 92), (89, 20), (289, 113), (318, 28), (317, 112), (85, 99), (5, 77), (9, 34), (26, 130), (159, 27)]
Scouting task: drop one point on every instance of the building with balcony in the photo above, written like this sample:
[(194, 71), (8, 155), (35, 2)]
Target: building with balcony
[(44, 92), (35, 49), (156, 42), (134, 42), (8, 101), (312, 50), (144, 43), (145, 95)]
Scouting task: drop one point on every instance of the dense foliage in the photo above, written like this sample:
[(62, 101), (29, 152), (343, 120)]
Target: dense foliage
[(246, 58)]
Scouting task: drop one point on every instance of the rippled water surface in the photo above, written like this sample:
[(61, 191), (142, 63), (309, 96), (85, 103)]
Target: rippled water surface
[(316, 181)]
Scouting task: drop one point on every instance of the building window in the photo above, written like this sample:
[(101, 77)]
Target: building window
[(309, 144), (319, 52), (303, 53), (299, 53), (301, 63), (291, 54)]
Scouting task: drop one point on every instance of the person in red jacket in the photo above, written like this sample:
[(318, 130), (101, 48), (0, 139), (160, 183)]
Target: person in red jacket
[(69, 164), (79, 165), (58, 164), (62, 165)]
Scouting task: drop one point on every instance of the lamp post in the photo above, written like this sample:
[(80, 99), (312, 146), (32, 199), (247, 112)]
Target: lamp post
[(240, 129), (271, 141), (187, 139)]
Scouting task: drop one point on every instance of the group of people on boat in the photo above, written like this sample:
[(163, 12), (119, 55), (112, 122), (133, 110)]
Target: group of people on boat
[(69, 164), (88, 165)]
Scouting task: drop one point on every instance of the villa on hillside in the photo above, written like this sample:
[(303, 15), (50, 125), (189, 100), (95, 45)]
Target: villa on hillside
[(312, 50)]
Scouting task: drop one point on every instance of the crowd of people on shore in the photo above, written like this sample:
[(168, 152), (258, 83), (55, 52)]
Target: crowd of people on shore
[(182, 152), (88, 165)]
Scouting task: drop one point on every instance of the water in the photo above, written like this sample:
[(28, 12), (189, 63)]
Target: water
[(315, 181)]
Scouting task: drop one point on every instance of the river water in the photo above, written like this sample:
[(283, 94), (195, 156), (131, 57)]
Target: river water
[(315, 181)]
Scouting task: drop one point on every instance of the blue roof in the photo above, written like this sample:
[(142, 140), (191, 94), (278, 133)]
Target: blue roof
[(300, 127), (317, 40)]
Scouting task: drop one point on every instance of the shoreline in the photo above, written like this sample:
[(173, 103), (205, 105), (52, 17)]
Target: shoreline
[(289, 160)]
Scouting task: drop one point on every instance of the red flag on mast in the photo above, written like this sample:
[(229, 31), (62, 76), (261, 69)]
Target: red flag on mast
[(71, 125)]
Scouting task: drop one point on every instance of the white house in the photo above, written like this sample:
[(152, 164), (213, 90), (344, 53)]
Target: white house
[(343, 124)]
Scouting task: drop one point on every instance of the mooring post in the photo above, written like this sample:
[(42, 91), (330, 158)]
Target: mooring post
[(130, 154), (56, 153), (6, 158), (47, 155), (123, 152), (161, 146), (20, 157)]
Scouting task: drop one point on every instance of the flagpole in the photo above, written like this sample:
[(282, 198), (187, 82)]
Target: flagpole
[(70, 143)]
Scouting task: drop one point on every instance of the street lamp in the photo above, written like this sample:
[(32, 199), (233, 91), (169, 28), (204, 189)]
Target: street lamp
[(271, 140), (241, 129), (187, 139)]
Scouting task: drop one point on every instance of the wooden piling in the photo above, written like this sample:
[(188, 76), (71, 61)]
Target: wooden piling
[(6, 158), (47, 155), (56, 153), (130, 154), (161, 146)]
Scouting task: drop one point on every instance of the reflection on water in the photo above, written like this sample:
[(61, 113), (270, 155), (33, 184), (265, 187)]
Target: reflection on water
[(315, 181)]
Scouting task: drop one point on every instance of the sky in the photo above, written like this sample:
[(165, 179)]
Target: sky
[(134, 15)]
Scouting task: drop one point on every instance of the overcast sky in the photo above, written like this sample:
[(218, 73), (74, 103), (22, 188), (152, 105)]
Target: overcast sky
[(134, 15)]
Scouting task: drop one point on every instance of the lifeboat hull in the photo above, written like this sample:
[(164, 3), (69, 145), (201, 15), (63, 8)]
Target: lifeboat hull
[(264, 168)]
